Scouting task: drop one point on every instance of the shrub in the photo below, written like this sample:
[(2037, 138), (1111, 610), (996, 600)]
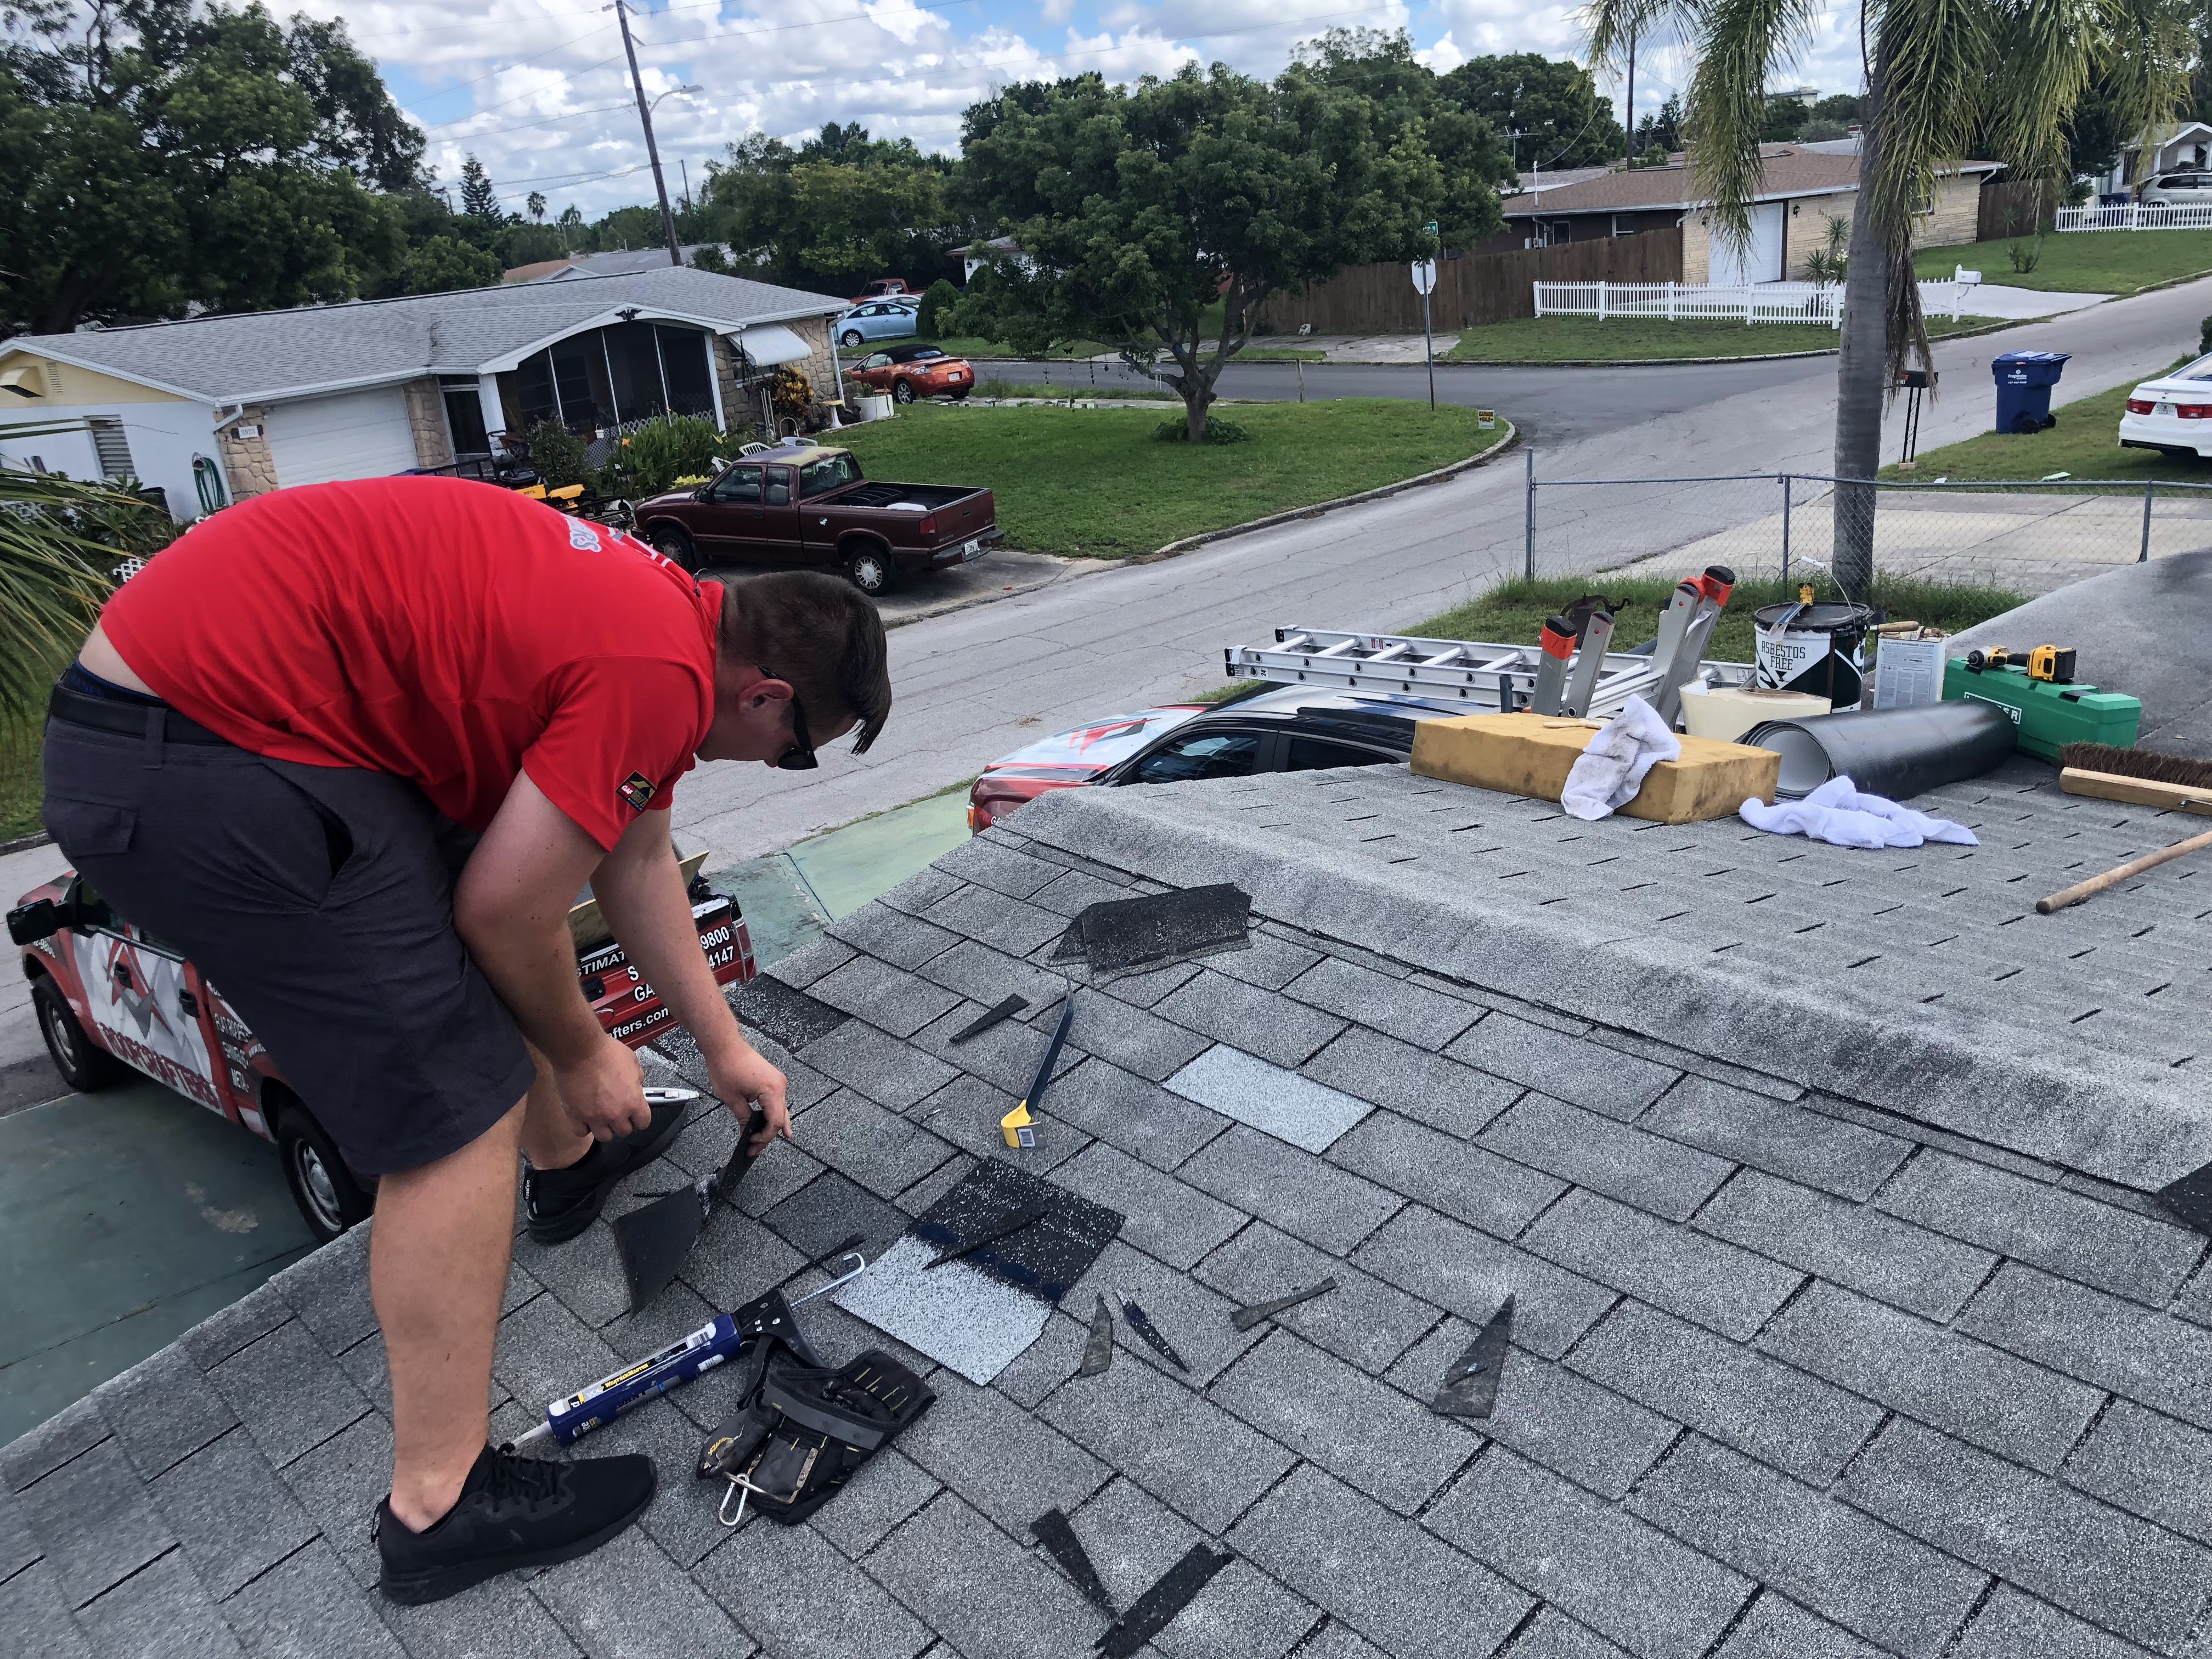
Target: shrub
[(558, 455), (939, 298), (2204, 335), (2025, 256), (1177, 430), (652, 458), (790, 390)]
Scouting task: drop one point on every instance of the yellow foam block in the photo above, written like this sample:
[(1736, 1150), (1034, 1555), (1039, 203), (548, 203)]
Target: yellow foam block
[(1529, 754)]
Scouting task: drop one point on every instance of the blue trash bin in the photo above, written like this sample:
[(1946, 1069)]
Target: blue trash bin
[(2024, 381)]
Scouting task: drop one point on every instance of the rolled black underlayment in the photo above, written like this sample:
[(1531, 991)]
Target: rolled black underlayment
[(1896, 753)]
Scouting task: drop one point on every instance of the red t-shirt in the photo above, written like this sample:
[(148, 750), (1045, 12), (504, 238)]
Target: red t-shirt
[(452, 633)]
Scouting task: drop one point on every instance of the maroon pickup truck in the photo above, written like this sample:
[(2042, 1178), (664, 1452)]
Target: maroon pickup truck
[(810, 506)]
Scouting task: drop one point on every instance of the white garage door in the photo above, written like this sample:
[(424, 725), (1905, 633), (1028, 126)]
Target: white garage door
[(355, 435), (1761, 261)]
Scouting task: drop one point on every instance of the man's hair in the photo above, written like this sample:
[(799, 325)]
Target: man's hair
[(820, 634)]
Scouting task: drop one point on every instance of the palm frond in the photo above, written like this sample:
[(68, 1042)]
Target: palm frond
[(54, 571), (1738, 43)]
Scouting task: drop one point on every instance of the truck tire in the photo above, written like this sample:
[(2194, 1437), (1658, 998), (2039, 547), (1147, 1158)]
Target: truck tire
[(901, 391), (674, 542), (84, 1065), (872, 569), (330, 1198), (849, 338)]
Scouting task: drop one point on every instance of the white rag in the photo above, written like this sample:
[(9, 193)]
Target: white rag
[(1612, 770), (1837, 813)]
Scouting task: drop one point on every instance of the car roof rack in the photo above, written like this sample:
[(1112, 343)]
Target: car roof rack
[(1484, 677)]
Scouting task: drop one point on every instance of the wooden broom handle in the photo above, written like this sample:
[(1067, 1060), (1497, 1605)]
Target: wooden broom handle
[(2080, 891)]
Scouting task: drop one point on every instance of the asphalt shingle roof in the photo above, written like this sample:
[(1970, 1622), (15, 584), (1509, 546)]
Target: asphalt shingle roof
[(1791, 170), (264, 354), (1844, 1324)]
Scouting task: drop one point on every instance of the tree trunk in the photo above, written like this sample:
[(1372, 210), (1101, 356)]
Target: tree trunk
[(1861, 392), (1196, 396)]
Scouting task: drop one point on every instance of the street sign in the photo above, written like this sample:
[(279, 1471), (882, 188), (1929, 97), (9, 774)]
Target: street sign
[(1430, 228), (1425, 275)]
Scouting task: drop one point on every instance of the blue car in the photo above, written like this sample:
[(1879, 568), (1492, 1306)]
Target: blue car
[(879, 319)]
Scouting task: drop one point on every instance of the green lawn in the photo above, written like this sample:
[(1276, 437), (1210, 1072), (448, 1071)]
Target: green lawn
[(1095, 482), (1514, 612), (2085, 444), (1586, 339), (965, 345), (2082, 261), (996, 385)]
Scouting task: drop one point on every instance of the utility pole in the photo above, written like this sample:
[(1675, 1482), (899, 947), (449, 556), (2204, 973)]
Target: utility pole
[(621, 10), (684, 168), (1628, 117)]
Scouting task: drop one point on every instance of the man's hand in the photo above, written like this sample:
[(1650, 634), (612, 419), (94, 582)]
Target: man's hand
[(746, 1080), (603, 1094)]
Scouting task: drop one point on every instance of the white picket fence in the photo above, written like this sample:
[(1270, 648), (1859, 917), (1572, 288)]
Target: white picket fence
[(2135, 216), (1683, 302)]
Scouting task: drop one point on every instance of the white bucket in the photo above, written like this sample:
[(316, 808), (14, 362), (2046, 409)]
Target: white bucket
[(874, 406), (1724, 714)]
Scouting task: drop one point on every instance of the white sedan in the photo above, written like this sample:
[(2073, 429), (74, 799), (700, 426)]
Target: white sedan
[(2172, 413)]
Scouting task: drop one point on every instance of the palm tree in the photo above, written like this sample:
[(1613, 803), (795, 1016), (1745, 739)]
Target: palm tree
[(1939, 75)]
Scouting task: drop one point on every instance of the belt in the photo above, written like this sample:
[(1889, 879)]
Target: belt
[(105, 715)]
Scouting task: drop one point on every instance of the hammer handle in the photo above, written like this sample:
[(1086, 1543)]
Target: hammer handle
[(2082, 890)]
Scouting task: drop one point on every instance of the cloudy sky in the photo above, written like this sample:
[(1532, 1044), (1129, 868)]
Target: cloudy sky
[(539, 91)]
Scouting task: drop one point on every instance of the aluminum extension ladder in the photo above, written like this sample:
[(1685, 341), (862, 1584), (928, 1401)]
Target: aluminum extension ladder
[(1488, 679)]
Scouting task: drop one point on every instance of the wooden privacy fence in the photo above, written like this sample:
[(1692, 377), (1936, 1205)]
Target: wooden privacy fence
[(1475, 288), (2014, 208)]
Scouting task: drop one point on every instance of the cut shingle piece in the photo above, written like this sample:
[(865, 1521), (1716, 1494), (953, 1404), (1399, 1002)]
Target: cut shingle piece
[(1593, 1150), (1133, 932), (791, 1016), (1286, 1105), (958, 1316), (1045, 1255)]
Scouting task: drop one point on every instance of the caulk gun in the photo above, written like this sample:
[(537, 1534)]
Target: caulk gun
[(726, 1336)]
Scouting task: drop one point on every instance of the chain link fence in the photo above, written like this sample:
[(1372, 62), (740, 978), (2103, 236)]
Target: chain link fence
[(2030, 537)]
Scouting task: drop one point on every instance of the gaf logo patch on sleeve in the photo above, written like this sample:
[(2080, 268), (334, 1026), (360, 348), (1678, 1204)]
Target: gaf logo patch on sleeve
[(582, 537), (637, 790)]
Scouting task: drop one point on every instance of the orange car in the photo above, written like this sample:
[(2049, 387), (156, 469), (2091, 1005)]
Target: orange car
[(907, 371)]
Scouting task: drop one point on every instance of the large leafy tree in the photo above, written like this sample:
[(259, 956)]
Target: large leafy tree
[(161, 152), (1549, 109), (1938, 73), (1160, 216), (839, 208)]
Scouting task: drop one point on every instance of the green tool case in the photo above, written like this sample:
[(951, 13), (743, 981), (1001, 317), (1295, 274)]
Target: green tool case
[(2049, 715)]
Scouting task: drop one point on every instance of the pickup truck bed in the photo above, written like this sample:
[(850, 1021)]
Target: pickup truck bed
[(892, 494)]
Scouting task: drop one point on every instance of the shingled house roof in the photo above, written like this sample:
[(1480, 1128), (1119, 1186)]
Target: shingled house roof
[(1844, 1326)]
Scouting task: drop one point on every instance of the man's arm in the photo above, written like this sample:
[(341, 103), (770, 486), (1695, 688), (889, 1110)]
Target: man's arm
[(511, 910), (641, 893)]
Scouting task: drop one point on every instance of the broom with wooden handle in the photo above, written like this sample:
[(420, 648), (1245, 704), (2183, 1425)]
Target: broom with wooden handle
[(2142, 777)]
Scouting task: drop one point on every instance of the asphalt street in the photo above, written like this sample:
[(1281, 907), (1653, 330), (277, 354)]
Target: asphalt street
[(974, 684)]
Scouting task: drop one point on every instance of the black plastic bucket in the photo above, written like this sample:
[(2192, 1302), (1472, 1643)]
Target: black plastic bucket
[(1813, 653)]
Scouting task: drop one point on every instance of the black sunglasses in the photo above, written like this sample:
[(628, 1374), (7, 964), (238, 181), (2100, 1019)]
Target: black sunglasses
[(800, 757)]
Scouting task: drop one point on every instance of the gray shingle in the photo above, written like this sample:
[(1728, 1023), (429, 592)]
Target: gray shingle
[(1007, 1055), (1296, 1192), (218, 1336), (1457, 1267), (1006, 923), (17, 1548), (1132, 1113), (1776, 1629), (1553, 1635), (1620, 1085), (1074, 892), (92, 1520), (161, 1613), (626, 1597), (890, 935), (986, 977), (52, 1443), (880, 1150), (1366, 1434), (1737, 1396), (1259, 1022), (2074, 1236), (813, 1221), (544, 1351), (1945, 1379), (307, 1607), (233, 1516), (966, 1113), (889, 998), (989, 861), (1625, 1579), (34, 1620), (889, 1487), (2145, 1461), (998, 1457), (1139, 990), (497, 1616), (340, 1484), (1866, 1576), (1849, 1243), (804, 1600), (885, 1069), (1162, 1216), (1410, 1013), (1447, 1175), (1241, 1614), (1382, 1575), (1411, 1082), (986, 1594), (1129, 1037), (1745, 1127), (1290, 1106), (2013, 1623), (2121, 1346), (1186, 1451), (1592, 1151), (2071, 1550), (585, 1273), (920, 891), (329, 1290), (1717, 1284), (1271, 962), (163, 1409), (1365, 1320), (810, 961)]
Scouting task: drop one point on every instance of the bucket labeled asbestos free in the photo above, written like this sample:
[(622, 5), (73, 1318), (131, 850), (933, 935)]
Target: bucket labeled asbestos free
[(1809, 648)]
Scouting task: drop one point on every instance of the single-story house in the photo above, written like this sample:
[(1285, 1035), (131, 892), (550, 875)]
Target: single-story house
[(617, 262), (973, 256), (224, 407), (1803, 184), (2185, 144)]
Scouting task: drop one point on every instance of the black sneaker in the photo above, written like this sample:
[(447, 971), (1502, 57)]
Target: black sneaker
[(513, 1512), (559, 1204)]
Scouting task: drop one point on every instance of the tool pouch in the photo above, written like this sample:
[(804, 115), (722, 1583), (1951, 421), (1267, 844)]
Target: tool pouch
[(802, 1431)]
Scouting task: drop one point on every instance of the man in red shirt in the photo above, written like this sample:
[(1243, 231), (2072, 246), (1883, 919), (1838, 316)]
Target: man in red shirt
[(355, 748)]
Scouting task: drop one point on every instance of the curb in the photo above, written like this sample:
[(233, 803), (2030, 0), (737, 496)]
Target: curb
[(25, 843), (1510, 441)]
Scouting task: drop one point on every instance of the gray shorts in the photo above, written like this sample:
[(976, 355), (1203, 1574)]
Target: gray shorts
[(319, 901)]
